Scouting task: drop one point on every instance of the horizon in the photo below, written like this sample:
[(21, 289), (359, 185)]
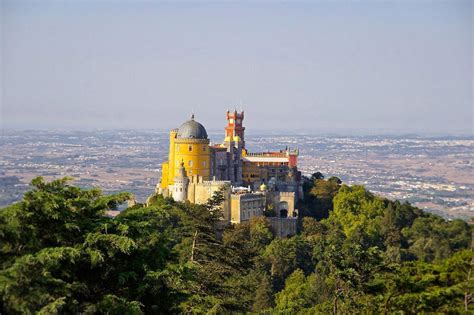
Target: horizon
[(260, 132)]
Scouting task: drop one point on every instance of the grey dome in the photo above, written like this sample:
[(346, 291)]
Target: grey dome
[(192, 130)]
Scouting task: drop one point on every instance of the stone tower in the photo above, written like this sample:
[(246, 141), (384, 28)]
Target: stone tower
[(235, 130), (235, 144), (189, 144), (180, 187)]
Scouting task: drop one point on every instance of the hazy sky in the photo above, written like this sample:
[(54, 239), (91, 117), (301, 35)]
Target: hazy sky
[(403, 66)]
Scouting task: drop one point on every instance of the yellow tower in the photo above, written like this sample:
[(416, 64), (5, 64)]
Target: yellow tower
[(167, 168), (189, 145), (172, 166)]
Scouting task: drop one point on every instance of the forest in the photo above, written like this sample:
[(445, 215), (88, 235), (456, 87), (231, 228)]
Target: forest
[(355, 252)]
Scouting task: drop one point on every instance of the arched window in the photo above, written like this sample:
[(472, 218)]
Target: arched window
[(190, 163), (190, 148)]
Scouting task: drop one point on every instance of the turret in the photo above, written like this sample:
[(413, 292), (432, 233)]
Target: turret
[(292, 157), (180, 187), (235, 129)]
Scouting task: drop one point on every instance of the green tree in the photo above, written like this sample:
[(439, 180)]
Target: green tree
[(263, 295), (260, 233), (356, 207), (293, 297), (318, 196), (60, 253)]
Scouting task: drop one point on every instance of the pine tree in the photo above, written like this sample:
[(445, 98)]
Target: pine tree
[(263, 295)]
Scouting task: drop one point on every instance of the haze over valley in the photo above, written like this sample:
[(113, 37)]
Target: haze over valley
[(434, 174)]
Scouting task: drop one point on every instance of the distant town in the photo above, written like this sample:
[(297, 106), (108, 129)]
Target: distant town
[(435, 174)]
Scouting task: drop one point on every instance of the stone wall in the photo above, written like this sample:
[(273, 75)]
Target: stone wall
[(245, 206), (283, 227)]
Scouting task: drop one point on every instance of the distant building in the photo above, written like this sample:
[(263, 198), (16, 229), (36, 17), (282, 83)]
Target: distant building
[(195, 170)]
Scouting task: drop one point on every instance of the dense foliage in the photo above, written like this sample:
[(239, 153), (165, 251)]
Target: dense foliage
[(355, 253)]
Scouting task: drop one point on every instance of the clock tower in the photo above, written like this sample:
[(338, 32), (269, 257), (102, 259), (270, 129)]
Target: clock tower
[(235, 130)]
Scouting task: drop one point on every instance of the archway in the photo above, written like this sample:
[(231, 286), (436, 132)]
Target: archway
[(283, 209)]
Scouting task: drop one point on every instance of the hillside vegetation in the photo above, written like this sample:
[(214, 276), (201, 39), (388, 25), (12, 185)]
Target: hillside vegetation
[(355, 253)]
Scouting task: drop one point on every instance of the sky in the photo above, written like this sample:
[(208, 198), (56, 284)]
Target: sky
[(323, 66)]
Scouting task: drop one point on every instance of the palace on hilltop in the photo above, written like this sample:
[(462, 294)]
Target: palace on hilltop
[(253, 183)]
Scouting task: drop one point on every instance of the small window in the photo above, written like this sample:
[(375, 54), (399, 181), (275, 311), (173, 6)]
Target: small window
[(190, 148), (190, 163), (177, 147), (204, 148), (204, 163)]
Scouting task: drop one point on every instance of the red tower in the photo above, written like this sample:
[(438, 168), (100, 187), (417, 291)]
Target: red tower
[(234, 125)]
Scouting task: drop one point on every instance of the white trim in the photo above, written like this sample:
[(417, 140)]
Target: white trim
[(265, 159)]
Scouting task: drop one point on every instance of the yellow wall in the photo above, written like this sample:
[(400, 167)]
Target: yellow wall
[(164, 175), (245, 207), (195, 155), (235, 210), (251, 173), (171, 157)]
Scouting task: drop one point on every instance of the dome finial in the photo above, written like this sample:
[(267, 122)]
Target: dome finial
[(192, 116)]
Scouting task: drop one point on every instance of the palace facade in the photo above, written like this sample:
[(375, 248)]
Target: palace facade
[(252, 182)]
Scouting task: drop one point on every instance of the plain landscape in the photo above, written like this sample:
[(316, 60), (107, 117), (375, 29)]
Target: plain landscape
[(433, 173)]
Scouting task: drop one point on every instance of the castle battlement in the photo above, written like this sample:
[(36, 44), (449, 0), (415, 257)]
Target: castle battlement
[(215, 182), (248, 196), (267, 154), (287, 193), (282, 153)]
